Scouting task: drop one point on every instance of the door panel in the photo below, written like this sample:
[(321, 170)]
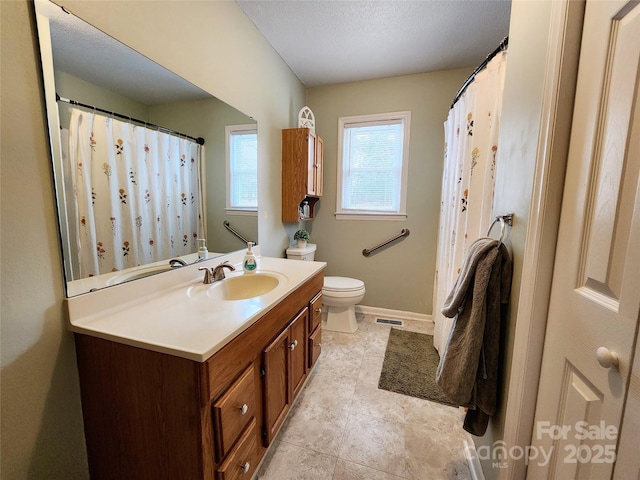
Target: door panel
[(277, 396), (298, 352), (595, 297)]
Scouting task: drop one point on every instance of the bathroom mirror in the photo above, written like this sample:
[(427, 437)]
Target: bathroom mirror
[(83, 64)]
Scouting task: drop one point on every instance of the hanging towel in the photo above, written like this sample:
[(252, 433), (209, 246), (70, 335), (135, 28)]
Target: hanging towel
[(468, 368)]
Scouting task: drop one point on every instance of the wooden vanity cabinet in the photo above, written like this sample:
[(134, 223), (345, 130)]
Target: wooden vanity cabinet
[(302, 171), (151, 415)]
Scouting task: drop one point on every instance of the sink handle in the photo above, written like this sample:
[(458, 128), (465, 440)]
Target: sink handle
[(208, 274)]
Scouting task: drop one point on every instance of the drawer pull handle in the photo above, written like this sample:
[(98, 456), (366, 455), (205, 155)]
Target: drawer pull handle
[(293, 345), (245, 467), (243, 409)]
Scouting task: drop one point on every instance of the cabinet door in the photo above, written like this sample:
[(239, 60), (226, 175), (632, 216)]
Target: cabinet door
[(277, 396), (297, 351), (318, 167), (311, 161)]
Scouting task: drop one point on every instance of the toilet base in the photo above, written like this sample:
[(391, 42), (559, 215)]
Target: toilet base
[(340, 319)]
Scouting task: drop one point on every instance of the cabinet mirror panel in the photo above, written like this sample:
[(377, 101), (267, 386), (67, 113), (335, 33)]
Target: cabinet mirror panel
[(134, 186)]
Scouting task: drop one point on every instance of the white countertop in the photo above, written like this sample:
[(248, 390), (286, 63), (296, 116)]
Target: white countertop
[(156, 312)]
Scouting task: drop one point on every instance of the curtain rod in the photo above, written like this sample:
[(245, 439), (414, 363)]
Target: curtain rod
[(199, 140), (501, 47)]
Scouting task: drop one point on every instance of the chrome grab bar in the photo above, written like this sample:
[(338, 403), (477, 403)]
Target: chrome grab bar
[(228, 227), (368, 251)]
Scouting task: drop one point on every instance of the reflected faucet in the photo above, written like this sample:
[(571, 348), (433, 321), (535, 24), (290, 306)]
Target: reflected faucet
[(177, 262), (215, 274)]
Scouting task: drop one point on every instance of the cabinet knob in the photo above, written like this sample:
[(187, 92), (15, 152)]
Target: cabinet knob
[(607, 358), (245, 467), (293, 345), (243, 409), (319, 345), (317, 165), (318, 310)]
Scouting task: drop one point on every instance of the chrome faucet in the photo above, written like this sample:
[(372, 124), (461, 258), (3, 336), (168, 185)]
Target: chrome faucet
[(215, 274), (177, 262)]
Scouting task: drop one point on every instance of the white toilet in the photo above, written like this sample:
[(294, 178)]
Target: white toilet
[(339, 295)]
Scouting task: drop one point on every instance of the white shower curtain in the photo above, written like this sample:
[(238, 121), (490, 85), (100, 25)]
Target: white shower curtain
[(137, 192), (470, 153)]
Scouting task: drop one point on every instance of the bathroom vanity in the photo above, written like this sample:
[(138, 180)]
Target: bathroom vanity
[(180, 384)]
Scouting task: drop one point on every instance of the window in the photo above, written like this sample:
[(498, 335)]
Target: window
[(373, 152), (242, 168)]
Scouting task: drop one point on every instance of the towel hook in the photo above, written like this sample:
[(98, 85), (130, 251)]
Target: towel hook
[(504, 221)]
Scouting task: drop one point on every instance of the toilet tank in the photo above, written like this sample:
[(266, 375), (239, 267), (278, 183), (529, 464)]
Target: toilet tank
[(304, 253)]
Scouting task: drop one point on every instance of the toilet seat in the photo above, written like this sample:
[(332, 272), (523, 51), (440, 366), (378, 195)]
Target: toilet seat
[(342, 285)]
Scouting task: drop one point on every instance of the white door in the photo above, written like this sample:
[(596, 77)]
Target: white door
[(595, 298)]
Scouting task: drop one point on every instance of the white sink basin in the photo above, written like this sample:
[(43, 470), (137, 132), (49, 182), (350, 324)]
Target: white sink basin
[(238, 287), (137, 273)]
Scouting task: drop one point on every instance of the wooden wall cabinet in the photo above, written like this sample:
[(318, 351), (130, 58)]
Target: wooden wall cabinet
[(302, 171), (150, 415)]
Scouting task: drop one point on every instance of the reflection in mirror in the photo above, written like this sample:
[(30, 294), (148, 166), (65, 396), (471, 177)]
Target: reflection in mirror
[(132, 195)]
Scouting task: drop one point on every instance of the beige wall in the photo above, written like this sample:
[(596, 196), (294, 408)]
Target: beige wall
[(220, 51), (520, 129), (399, 277), (75, 88)]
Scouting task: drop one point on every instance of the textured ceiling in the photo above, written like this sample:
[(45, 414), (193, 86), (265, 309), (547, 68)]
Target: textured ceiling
[(326, 42)]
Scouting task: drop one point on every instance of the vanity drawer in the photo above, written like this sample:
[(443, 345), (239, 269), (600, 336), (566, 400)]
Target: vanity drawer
[(233, 411), (315, 346), (315, 317), (243, 459)]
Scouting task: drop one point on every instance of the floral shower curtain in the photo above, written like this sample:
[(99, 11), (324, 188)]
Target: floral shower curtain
[(137, 192), (470, 153)]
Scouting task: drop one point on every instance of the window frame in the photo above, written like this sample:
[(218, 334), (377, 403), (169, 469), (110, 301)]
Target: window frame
[(354, 214), (231, 130)]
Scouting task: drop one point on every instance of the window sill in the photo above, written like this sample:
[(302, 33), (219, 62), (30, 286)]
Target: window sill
[(238, 211), (396, 217)]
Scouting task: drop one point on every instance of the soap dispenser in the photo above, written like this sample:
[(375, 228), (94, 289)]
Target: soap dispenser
[(203, 253), (250, 264)]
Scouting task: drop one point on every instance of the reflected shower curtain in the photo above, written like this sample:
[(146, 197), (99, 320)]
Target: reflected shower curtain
[(137, 192), (470, 153)]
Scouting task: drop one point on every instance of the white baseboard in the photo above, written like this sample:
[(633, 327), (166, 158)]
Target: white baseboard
[(472, 460), (394, 314)]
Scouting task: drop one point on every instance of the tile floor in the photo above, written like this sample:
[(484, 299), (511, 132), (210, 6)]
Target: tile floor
[(342, 427)]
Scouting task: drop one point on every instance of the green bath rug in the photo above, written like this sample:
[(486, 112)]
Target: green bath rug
[(410, 364)]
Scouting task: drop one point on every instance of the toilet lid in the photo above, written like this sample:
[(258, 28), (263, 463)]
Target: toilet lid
[(342, 284)]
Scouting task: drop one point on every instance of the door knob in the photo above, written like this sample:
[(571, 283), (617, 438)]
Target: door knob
[(607, 358)]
